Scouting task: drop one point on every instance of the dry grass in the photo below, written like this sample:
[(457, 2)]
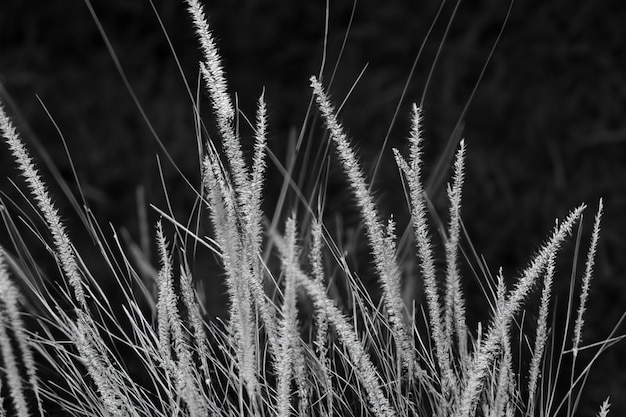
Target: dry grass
[(289, 346)]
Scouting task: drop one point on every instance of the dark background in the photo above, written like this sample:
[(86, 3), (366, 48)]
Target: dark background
[(545, 130)]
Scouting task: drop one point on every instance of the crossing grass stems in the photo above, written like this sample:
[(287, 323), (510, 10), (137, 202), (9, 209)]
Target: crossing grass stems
[(372, 359)]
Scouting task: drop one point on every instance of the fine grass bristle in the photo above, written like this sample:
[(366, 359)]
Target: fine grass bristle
[(63, 245), (604, 409), (10, 321), (412, 171), (383, 250), (304, 333)]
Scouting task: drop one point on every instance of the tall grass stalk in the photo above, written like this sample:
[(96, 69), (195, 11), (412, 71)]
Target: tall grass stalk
[(10, 321), (303, 334), (412, 171), (383, 250)]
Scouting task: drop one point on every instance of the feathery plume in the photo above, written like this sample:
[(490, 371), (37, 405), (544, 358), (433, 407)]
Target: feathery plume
[(164, 280), (584, 292), (321, 321), (454, 304), (63, 246), (412, 170), (541, 335), (315, 259), (86, 339), (10, 316), (384, 254), (216, 84), (171, 332), (196, 321), (7, 313), (104, 375), (491, 346), (289, 338), (223, 215), (254, 212), (3, 411), (365, 369), (604, 409), (501, 400)]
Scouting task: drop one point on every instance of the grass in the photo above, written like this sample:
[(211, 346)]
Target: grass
[(304, 334)]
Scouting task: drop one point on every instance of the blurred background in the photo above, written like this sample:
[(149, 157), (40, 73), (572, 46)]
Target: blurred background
[(545, 129)]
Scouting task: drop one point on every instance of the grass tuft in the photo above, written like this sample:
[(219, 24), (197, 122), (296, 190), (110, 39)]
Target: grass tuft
[(303, 335)]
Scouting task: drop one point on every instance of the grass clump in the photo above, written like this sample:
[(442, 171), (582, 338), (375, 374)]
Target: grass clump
[(289, 346)]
